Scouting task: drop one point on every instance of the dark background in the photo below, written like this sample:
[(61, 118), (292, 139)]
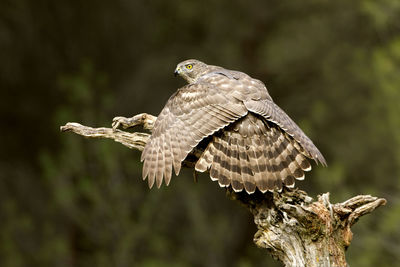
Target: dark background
[(334, 66)]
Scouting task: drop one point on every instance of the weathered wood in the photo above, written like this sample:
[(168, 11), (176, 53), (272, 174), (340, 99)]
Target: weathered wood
[(132, 140), (295, 229), (301, 232)]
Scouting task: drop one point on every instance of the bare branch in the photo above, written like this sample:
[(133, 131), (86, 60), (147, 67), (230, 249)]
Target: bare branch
[(131, 140), (291, 226)]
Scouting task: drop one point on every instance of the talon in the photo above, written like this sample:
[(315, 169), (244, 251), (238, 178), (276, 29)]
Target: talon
[(117, 121), (125, 123)]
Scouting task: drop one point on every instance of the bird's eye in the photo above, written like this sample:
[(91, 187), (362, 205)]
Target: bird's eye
[(190, 66)]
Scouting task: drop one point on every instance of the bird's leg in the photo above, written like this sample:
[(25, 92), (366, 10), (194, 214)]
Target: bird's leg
[(195, 176), (144, 119)]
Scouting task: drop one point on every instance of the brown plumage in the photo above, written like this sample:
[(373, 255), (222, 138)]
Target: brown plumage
[(247, 141)]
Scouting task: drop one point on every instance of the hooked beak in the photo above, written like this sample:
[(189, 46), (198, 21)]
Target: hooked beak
[(177, 71)]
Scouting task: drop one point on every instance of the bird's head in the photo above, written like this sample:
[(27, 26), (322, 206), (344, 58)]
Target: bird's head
[(191, 70)]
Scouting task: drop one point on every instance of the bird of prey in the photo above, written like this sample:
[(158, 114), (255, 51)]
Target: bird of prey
[(238, 133)]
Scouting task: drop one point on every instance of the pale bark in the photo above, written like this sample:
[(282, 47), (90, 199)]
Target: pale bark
[(294, 228)]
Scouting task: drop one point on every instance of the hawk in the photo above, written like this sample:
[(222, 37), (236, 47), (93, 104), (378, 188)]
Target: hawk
[(238, 133)]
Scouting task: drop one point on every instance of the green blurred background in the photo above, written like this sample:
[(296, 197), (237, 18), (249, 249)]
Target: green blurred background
[(334, 66)]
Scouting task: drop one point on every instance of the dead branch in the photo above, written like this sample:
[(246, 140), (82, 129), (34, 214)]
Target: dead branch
[(295, 229)]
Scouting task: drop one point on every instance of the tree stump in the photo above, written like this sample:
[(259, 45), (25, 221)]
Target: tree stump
[(294, 228)]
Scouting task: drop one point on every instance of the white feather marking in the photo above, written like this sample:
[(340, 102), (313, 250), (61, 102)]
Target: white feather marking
[(263, 191), (222, 185), (290, 186), (237, 190), (213, 179)]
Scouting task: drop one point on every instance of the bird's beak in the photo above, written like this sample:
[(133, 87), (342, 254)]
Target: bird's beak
[(177, 71)]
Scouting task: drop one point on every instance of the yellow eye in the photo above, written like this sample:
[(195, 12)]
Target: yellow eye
[(190, 66)]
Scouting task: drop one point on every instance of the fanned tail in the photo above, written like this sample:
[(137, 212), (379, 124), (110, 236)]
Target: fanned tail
[(253, 153)]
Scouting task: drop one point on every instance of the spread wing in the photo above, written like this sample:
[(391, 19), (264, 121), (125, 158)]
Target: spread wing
[(271, 112), (194, 112)]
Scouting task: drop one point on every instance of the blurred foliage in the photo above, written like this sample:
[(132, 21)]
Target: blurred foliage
[(66, 201)]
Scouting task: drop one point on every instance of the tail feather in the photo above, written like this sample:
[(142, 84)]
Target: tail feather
[(294, 167), (286, 176), (252, 153), (247, 173), (237, 181), (277, 182), (270, 177), (255, 161)]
